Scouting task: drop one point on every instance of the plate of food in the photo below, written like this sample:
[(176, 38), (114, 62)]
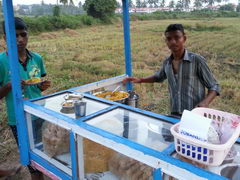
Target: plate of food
[(33, 81)]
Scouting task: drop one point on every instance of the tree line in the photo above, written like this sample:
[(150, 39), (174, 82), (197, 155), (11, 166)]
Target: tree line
[(172, 3)]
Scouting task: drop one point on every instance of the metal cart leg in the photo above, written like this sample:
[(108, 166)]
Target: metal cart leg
[(73, 156), (157, 174)]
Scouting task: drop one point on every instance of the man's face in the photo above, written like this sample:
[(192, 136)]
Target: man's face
[(22, 39), (175, 40)]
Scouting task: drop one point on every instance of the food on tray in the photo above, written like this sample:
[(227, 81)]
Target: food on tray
[(55, 139), (96, 157), (68, 104), (113, 96), (34, 80), (56, 142), (128, 168)]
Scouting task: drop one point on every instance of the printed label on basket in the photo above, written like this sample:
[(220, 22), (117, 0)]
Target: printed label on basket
[(194, 125)]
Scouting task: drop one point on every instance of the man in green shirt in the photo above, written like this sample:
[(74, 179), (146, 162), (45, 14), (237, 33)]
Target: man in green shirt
[(30, 66)]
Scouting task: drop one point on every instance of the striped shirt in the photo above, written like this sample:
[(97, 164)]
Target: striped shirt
[(187, 87)]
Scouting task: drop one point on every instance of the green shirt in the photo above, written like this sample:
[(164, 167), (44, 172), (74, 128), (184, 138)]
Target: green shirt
[(33, 67)]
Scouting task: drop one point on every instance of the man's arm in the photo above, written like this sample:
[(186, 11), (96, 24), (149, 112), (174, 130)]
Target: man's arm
[(208, 81), (149, 79), (208, 99), (4, 90)]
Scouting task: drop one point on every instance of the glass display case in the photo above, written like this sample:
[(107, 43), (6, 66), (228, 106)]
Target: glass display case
[(109, 131), (56, 104), (145, 130), (49, 141)]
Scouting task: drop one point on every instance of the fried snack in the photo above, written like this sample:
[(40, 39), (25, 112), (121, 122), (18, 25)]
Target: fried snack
[(56, 142), (96, 156), (113, 96), (55, 139), (33, 80), (129, 169), (68, 104)]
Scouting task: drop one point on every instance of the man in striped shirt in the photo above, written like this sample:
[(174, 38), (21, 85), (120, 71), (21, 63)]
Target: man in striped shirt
[(187, 74)]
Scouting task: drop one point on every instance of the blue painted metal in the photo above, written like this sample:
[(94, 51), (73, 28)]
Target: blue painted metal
[(99, 113), (73, 156), (48, 96), (129, 143), (15, 80), (147, 113), (48, 166), (127, 43), (96, 83), (169, 150), (50, 112), (157, 174), (148, 151)]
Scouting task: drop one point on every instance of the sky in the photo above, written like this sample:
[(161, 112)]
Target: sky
[(27, 2)]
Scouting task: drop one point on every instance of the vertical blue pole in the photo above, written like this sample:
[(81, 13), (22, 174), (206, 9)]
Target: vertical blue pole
[(15, 80), (127, 43), (73, 156), (157, 174)]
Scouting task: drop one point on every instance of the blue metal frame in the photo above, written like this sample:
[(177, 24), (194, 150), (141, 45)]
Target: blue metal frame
[(50, 167), (127, 42), (25, 152), (157, 174), (73, 156), (164, 155), (15, 81)]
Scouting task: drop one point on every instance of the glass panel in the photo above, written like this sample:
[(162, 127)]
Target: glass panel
[(230, 167), (49, 140), (102, 163), (145, 130), (54, 103)]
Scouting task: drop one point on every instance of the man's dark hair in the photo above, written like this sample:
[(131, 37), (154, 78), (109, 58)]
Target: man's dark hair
[(175, 27), (19, 24)]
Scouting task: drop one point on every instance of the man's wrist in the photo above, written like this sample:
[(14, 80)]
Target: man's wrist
[(40, 87), (141, 80)]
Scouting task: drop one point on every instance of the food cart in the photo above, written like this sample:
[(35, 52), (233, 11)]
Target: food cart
[(107, 128)]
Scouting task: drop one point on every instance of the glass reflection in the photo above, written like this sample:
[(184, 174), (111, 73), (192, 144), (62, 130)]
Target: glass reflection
[(49, 140), (56, 103), (142, 129)]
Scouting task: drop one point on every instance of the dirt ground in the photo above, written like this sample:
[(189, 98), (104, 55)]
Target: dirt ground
[(9, 155)]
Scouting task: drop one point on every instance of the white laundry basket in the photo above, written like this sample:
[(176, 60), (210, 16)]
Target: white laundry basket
[(204, 152)]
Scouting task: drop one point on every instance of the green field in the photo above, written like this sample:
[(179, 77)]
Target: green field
[(76, 57), (81, 56)]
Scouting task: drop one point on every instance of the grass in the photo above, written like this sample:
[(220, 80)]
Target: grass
[(94, 53), (81, 56)]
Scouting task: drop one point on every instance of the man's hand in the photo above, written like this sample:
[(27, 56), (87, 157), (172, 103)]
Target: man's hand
[(208, 99), (203, 104), (132, 79), (44, 85)]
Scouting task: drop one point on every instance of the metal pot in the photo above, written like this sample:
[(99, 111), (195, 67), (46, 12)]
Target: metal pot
[(133, 98)]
